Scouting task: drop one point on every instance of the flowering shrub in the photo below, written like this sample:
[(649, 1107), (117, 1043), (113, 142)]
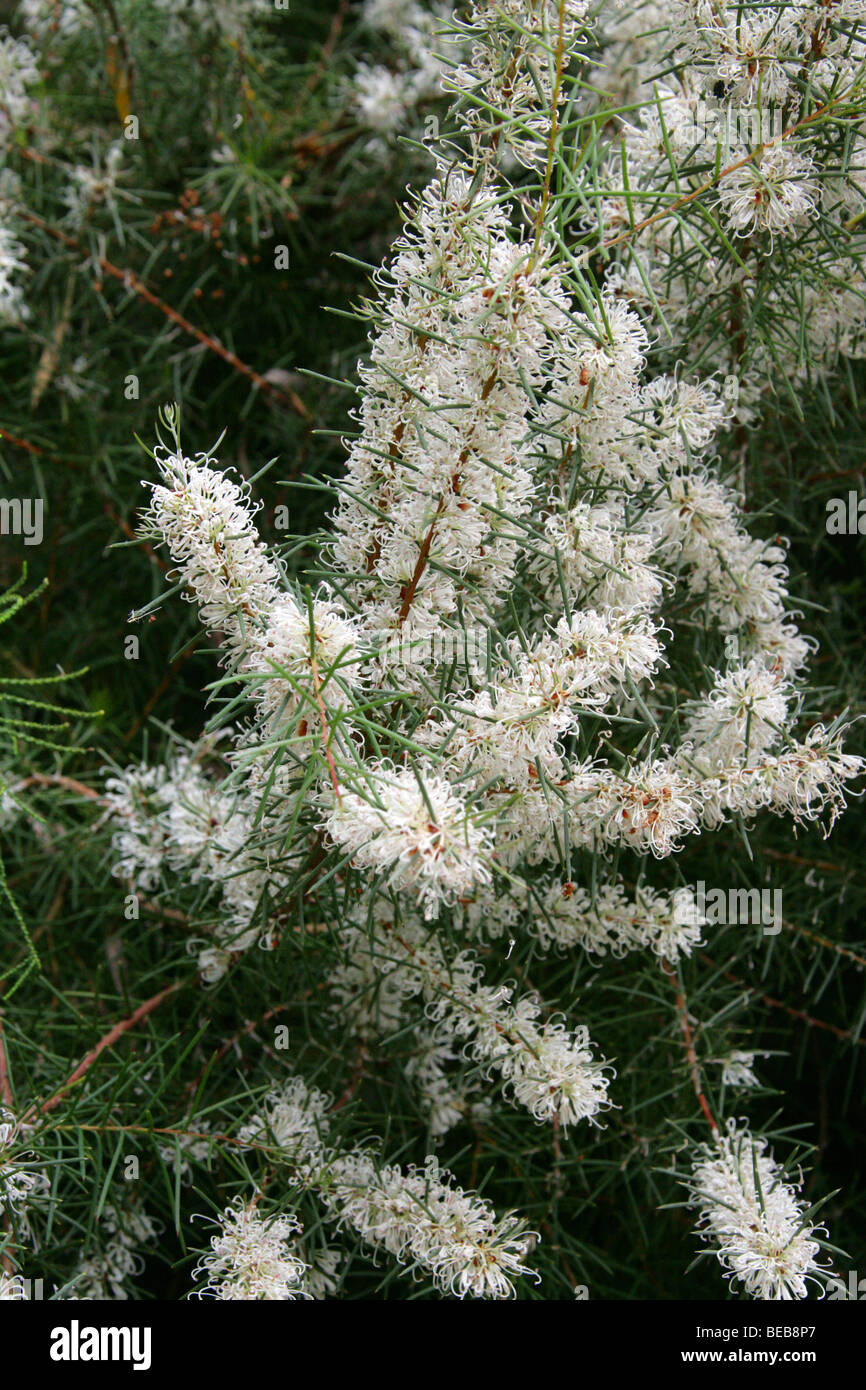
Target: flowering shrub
[(465, 737)]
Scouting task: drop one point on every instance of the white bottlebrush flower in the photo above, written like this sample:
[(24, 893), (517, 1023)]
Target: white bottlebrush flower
[(106, 1274), (775, 192), (742, 716), (810, 777), (213, 961), (445, 1093), (442, 465), (568, 916), (252, 1258), (807, 780), (55, 17), (744, 581), (751, 53), (294, 1118), (420, 1216), (206, 521), (300, 656), (12, 306), (602, 561), (384, 97), (169, 815), (175, 819), (689, 412), (95, 184), (139, 842), (380, 98), (415, 827), (509, 70), (550, 1070), (737, 1070), (20, 1180), (18, 71), (515, 725), (369, 998), (650, 806), (753, 1218)]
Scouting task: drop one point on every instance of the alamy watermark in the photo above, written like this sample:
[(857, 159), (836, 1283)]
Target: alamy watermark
[(724, 907), (731, 128), (462, 647), (77, 1343), (846, 516), (22, 516), (854, 1288)]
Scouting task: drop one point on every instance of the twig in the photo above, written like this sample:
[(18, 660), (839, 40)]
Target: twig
[(5, 1084), (45, 779), (21, 443), (109, 1039), (799, 1014), (136, 286), (326, 732), (688, 1039), (705, 187)]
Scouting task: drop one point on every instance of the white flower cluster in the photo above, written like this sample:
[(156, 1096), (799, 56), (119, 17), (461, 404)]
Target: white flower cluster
[(446, 1093), (105, 1275), (441, 472), (515, 727), (175, 817), (747, 86), (55, 17), (565, 916), (418, 831), (18, 72), (738, 1070), (754, 1219), (94, 184), (206, 522), (545, 1067), (384, 97), (253, 1258), (512, 76), (20, 1181), (12, 306), (743, 716), (221, 17), (419, 1216), (422, 1218)]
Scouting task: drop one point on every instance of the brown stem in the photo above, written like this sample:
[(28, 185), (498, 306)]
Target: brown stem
[(717, 178), (689, 1044), (44, 779), (109, 1039), (799, 1014), (5, 1084), (21, 443), (136, 286)]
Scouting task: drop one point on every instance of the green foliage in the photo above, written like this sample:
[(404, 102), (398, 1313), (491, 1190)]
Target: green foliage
[(171, 282)]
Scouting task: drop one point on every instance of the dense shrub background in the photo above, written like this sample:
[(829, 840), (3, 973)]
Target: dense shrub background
[(202, 238)]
